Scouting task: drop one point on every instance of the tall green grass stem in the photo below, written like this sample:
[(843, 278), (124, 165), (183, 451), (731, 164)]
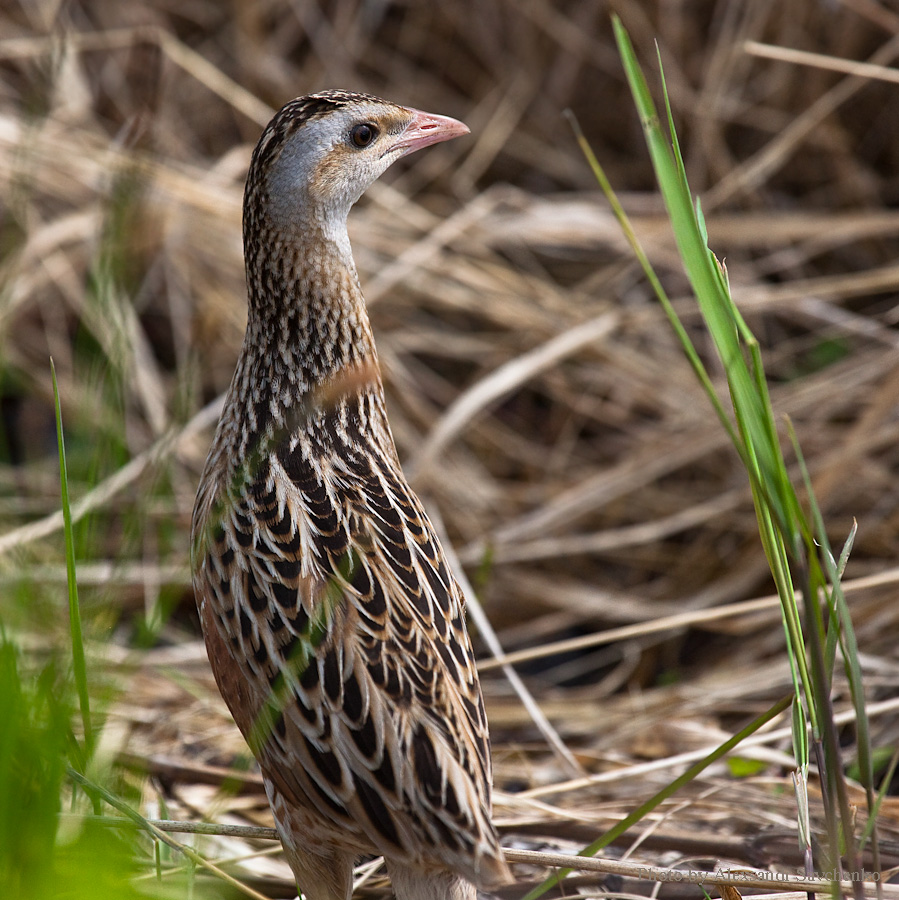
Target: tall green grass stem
[(79, 664)]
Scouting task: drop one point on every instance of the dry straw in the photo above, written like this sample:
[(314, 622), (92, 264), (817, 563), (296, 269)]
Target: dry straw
[(535, 389)]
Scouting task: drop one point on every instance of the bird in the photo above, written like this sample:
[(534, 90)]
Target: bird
[(333, 624)]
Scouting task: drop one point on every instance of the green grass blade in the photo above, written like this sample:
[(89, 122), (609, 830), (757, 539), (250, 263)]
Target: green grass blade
[(79, 664), (669, 789), (756, 439), (870, 825), (791, 545), (709, 284), (841, 625)]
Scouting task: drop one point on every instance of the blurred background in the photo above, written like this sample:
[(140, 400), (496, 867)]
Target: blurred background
[(538, 397)]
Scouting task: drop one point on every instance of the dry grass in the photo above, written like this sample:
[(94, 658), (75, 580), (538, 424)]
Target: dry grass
[(541, 403)]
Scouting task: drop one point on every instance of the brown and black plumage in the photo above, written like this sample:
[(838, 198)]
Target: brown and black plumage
[(335, 630)]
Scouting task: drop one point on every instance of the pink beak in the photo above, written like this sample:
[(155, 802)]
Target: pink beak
[(426, 129)]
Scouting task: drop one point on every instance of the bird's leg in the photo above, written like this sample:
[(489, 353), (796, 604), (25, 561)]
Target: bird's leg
[(413, 884), (321, 877)]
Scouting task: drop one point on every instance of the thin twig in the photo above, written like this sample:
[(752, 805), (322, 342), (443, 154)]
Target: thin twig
[(744, 876)]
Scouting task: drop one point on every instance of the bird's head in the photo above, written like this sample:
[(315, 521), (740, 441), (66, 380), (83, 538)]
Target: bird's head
[(321, 152)]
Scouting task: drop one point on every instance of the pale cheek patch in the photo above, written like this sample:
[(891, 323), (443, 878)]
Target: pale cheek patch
[(328, 174)]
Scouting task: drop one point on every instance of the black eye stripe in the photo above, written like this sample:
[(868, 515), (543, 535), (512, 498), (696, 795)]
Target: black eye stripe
[(363, 134)]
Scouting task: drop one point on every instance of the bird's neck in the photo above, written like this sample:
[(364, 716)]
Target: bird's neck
[(309, 348), (306, 308)]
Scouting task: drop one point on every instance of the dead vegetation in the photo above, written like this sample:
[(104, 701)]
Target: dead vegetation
[(537, 394)]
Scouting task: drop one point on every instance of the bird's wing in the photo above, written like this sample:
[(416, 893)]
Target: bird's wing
[(330, 588)]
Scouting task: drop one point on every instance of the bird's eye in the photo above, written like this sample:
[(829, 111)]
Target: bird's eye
[(364, 134)]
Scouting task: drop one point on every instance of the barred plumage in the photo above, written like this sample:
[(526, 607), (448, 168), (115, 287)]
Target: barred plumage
[(334, 628)]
